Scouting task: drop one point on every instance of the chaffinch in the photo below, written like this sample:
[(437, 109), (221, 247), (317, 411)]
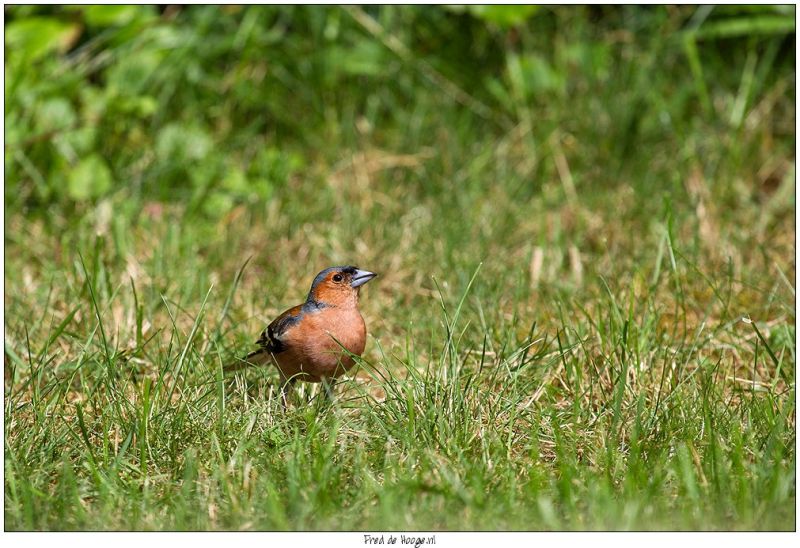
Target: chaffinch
[(317, 340)]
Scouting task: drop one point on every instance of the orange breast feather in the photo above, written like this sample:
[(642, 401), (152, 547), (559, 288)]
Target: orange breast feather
[(315, 346)]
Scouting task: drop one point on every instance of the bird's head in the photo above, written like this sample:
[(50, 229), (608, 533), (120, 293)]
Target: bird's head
[(338, 286)]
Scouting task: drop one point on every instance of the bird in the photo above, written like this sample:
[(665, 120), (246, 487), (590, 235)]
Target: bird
[(316, 341)]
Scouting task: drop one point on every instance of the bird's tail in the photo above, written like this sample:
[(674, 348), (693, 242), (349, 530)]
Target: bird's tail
[(258, 357)]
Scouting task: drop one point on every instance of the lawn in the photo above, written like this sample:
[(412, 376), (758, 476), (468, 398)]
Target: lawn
[(583, 219)]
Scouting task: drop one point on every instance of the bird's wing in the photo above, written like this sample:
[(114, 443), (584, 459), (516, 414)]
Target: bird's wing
[(271, 340), (272, 337)]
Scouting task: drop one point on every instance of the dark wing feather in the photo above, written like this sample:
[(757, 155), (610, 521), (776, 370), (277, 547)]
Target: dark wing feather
[(270, 342), (271, 337)]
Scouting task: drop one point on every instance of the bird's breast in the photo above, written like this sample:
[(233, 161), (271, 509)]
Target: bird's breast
[(323, 342), (342, 328)]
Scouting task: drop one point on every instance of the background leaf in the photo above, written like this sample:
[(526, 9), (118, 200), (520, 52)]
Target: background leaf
[(90, 178)]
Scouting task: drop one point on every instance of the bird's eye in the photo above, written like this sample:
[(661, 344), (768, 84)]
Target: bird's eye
[(337, 277)]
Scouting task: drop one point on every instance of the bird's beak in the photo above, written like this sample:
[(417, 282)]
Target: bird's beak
[(361, 277)]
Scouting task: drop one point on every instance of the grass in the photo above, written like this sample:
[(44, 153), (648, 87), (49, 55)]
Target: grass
[(584, 320)]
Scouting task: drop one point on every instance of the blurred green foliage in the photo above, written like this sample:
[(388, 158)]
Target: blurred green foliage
[(214, 106)]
